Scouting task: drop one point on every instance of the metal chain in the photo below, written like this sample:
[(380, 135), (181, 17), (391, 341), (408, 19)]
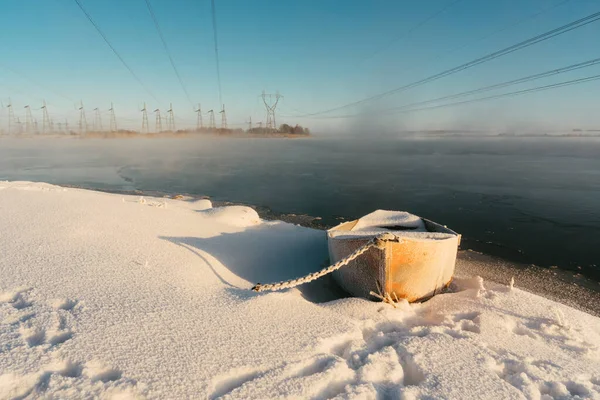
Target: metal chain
[(378, 242)]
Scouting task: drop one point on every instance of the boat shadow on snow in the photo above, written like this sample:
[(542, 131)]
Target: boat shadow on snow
[(264, 254)]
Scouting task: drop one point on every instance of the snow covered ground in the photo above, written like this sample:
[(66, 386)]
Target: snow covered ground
[(112, 296)]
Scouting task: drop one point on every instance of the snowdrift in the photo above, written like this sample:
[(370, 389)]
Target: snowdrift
[(111, 296)]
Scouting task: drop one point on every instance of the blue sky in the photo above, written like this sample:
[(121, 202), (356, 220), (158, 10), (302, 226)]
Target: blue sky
[(318, 54)]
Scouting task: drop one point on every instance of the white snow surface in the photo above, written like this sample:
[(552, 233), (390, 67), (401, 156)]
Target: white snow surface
[(122, 297)]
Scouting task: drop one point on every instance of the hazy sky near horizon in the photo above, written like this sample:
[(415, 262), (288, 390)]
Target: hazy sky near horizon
[(318, 54)]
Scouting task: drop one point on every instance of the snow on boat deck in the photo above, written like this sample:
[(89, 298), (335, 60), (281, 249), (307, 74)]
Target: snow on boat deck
[(104, 295), (400, 223)]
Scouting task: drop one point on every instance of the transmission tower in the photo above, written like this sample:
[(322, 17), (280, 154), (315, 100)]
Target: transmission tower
[(113, 119), (97, 120), (46, 124), (11, 115), (170, 119), (144, 119), (158, 128), (199, 125), (250, 124), (271, 105), (28, 120), (19, 125), (67, 127), (223, 118), (83, 126), (211, 120)]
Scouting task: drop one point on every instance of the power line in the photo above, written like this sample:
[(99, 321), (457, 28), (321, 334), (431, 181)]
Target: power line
[(510, 94), (214, 23), (162, 38), (500, 30), (414, 28), (512, 25), (89, 17), (521, 45), (529, 78), (466, 45)]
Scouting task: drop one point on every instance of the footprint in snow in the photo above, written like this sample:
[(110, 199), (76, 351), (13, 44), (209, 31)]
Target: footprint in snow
[(67, 368), (57, 337), (41, 331), (469, 322), (63, 304), (18, 318), (30, 330), (526, 376), (557, 331), (232, 380), (342, 365), (16, 298), (35, 336), (98, 371), (41, 384)]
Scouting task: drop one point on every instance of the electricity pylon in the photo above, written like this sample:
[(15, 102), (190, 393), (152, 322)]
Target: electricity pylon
[(46, 124), (199, 125), (250, 124), (223, 118), (211, 120), (170, 119), (271, 105), (97, 120), (19, 125), (11, 115), (83, 126), (67, 127), (113, 119), (158, 128), (144, 119), (28, 120)]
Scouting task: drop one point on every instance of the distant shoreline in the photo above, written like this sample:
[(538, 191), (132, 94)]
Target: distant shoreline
[(241, 135), (169, 135)]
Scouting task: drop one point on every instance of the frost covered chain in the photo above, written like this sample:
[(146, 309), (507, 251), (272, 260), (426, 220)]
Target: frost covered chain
[(375, 242)]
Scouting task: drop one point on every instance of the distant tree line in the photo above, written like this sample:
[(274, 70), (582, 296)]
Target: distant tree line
[(284, 128), (294, 130)]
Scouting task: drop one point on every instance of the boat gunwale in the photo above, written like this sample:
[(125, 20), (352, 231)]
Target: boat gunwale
[(428, 224)]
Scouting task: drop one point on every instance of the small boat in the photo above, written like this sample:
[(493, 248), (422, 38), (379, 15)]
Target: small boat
[(415, 261)]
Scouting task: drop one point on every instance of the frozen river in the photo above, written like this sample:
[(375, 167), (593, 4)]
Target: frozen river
[(532, 200)]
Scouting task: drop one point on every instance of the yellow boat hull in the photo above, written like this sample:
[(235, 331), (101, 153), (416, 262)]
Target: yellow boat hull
[(412, 268)]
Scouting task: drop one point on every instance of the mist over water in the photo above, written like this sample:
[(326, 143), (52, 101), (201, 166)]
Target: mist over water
[(534, 200)]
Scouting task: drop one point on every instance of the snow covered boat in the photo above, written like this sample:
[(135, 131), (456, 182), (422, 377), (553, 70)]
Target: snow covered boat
[(414, 261)]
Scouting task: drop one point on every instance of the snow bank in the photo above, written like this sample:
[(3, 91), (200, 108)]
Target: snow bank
[(202, 204), (109, 296), (240, 216)]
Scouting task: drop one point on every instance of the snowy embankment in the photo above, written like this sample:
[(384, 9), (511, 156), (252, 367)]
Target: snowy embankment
[(103, 295)]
